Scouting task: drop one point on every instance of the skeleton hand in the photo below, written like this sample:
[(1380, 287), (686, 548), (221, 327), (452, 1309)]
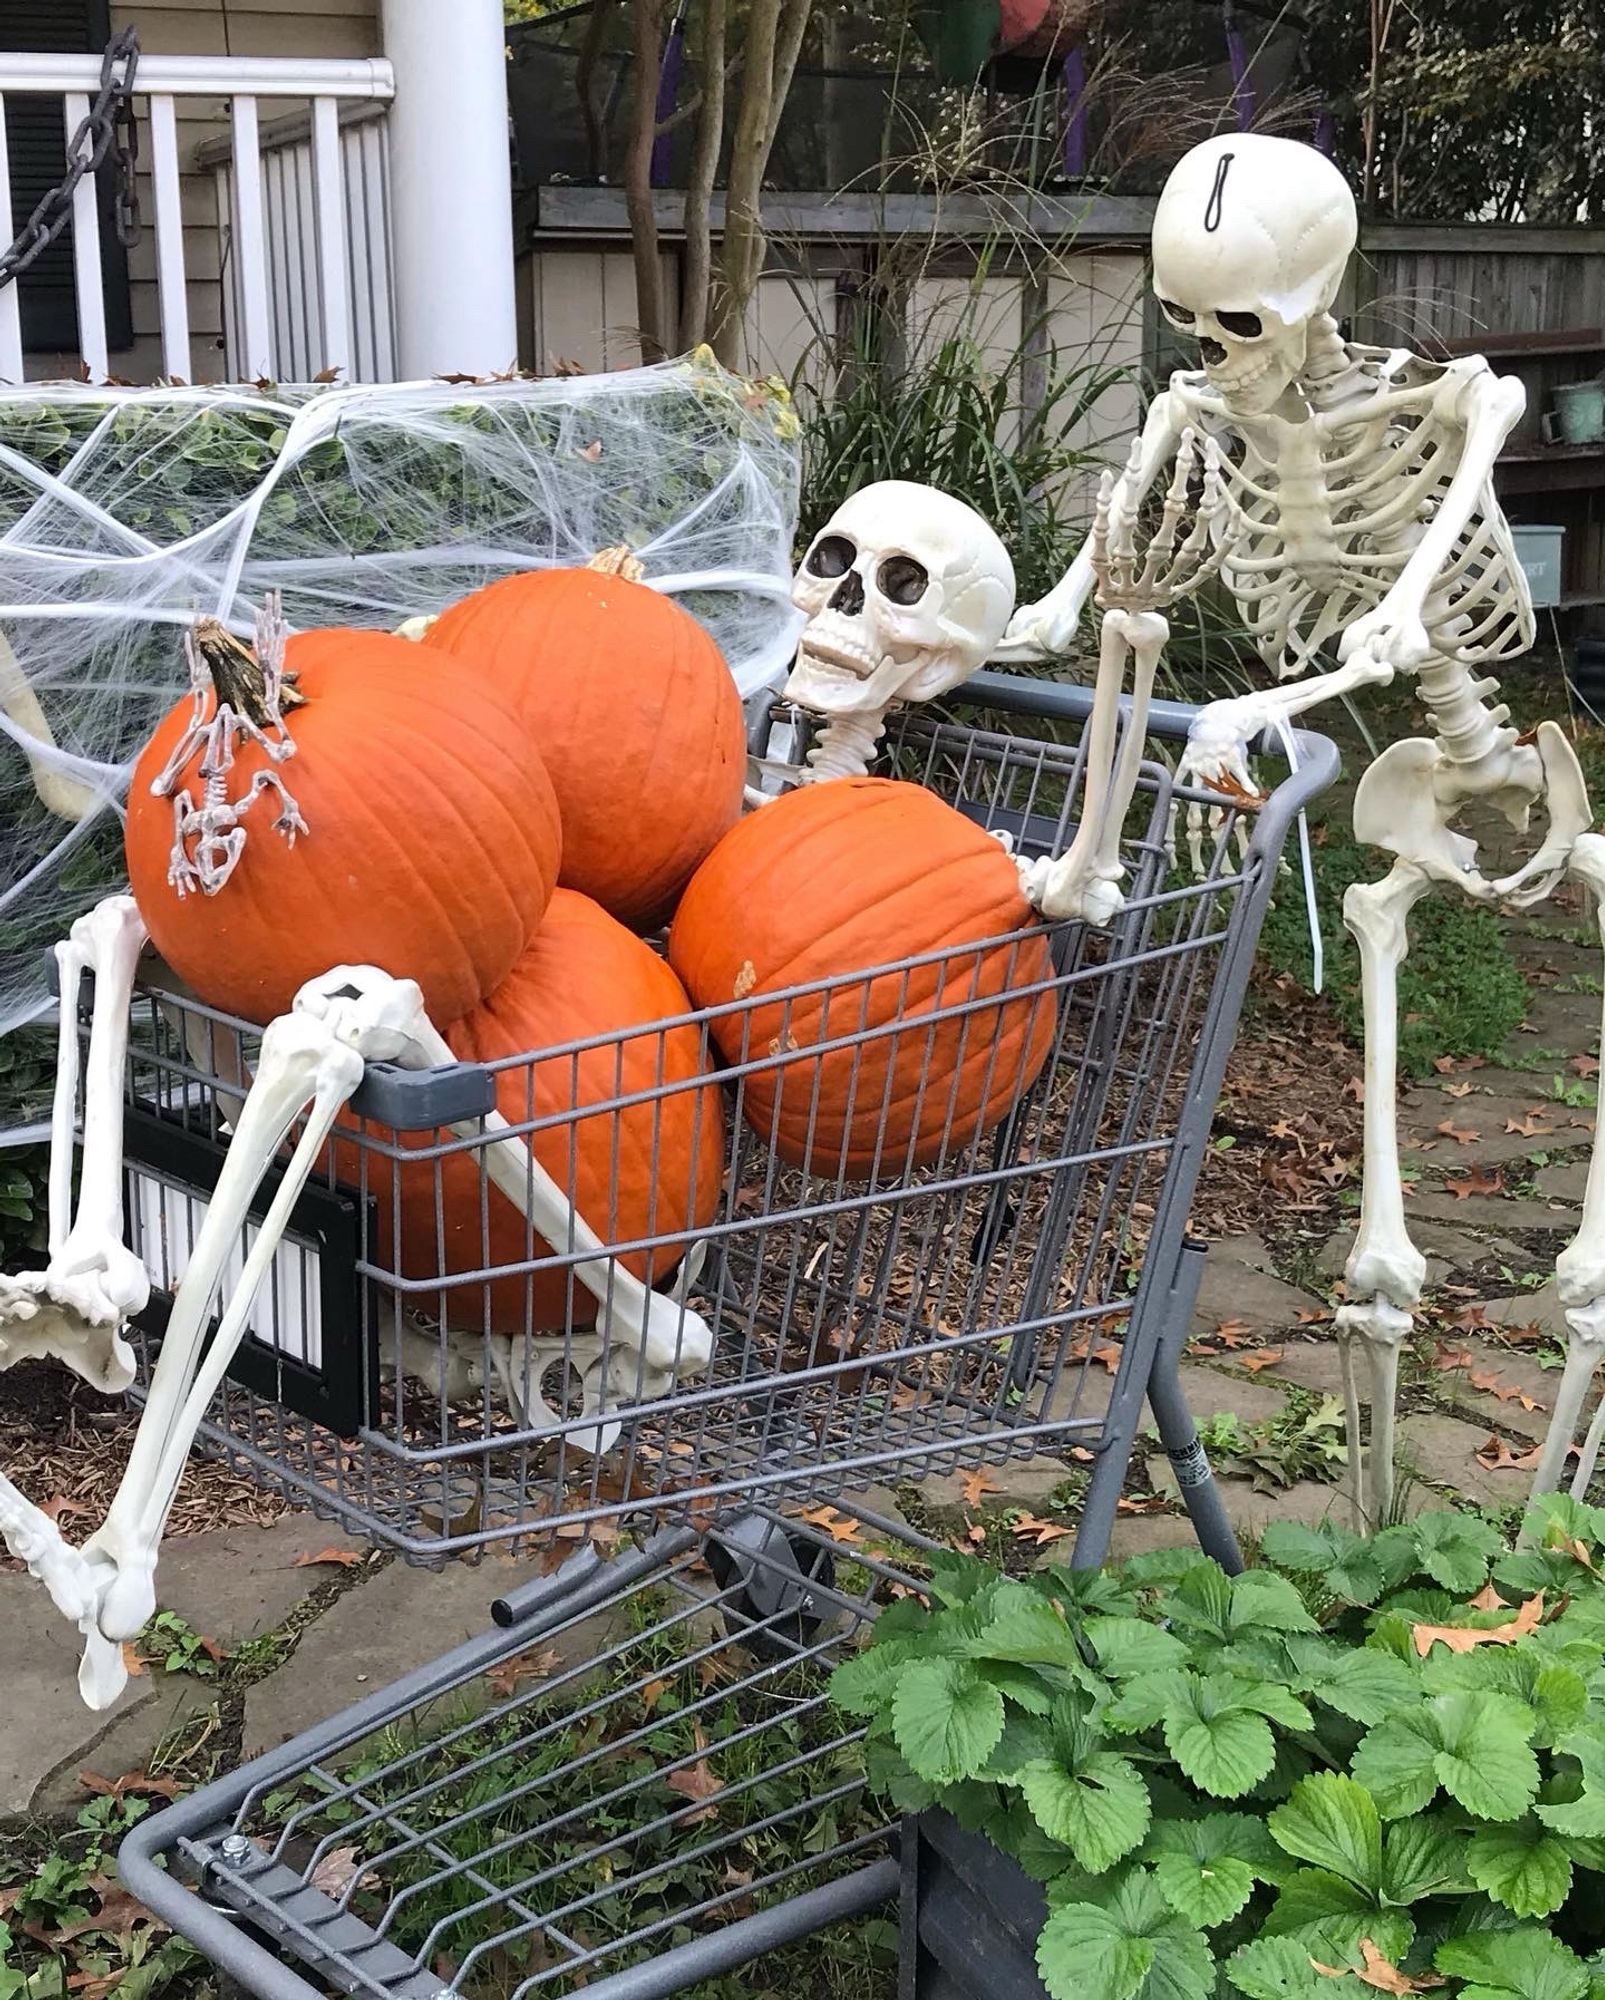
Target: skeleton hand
[(1170, 567), (1391, 636), (1216, 758)]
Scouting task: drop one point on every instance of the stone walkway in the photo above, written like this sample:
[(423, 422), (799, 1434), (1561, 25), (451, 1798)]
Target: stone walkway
[(302, 1637)]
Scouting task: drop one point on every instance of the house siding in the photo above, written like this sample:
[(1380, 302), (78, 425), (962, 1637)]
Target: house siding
[(333, 28)]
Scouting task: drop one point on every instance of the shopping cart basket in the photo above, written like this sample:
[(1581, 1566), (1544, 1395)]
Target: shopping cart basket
[(868, 1329)]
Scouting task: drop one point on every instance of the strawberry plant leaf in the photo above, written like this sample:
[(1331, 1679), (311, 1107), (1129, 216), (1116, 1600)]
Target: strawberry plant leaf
[(1333, 1823), (1206, 1868), (1100, 1810), (1521, 1866), (1421, 1858), (1126, 1647), (1362, 1682), (1206, 1893), (1276, 1968), (1526, 1963), (946, 1719), (1086, 1951), (1262, 1601), (1225, 1748), (865, 1684), (1456, 1549), (1027, 1634), (1582, 1818), (1486, 1761)]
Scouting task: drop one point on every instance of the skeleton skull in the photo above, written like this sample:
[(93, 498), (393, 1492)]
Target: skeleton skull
[(1251, 236), (907, 592)]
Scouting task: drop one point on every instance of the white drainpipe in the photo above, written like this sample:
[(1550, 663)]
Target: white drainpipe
[(451, 196)]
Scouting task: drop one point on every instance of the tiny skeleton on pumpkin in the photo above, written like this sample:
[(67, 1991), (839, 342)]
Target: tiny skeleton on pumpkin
[(1356, 505)]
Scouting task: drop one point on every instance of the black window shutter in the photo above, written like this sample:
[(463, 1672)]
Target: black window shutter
[(36, 141)]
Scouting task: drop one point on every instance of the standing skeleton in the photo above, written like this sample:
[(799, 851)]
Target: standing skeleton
[(1356, 505)]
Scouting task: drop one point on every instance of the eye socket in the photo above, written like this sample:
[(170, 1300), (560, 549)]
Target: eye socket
[(1246, 326), (902, 579), (1179, 314), (832, 557)]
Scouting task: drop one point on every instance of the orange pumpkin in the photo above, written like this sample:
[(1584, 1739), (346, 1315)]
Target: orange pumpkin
[(632, 1169), (637, 717), (431, 838), (837, 881)]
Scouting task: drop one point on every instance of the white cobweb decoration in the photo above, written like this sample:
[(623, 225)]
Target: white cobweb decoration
[(124, 512)]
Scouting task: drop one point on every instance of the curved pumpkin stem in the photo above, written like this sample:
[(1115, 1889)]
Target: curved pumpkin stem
[(620, 561)]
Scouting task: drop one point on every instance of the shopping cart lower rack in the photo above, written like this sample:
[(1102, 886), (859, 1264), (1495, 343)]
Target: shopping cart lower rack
[(858, 1330)]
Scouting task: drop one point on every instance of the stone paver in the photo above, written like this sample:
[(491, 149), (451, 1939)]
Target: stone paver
[(1240, 1283), (1442, 1452), (240, 1582)]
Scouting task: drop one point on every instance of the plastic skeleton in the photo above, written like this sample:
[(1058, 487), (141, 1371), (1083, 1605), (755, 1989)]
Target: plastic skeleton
[(208, 839), (1357, 506), (907, 592)]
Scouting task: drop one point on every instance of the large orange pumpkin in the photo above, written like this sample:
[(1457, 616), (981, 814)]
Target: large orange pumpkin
[(837, 881), (637, 717), (633, 1169), (431, 838)]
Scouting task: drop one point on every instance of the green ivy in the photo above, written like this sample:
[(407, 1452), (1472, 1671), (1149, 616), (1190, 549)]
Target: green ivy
[(1378, 1757)]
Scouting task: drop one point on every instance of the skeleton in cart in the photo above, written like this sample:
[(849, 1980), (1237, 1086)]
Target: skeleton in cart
[(1355, 509)]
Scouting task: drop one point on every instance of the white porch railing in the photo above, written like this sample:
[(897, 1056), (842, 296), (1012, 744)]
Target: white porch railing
[(162, 83)]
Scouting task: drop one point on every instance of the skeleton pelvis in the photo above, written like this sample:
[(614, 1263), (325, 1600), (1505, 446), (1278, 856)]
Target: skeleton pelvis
[(1397, 808)]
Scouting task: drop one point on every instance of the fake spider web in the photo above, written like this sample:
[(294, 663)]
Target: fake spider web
[(124, 513)]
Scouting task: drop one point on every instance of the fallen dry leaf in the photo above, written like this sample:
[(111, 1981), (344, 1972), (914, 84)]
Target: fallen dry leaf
[(1451, 1358), (341, 1558), (697, 1783), (1487, 1599), (1507, 1392), (839, 1527), (1481, 1180), (1142, 1503), (1233, 1332), (138, 1782), (1380, 1972), (337, 1873), (1355, 1088), (1028, 1528), (1531, 1126), (1458, 1089), (1461, 1134), (1585, 1065), (1462, 1638), (133, 1660), (1497, 1456), (976, 1485), (1468, 1319), (591, 453), (530, 1666), (1267, 1357)]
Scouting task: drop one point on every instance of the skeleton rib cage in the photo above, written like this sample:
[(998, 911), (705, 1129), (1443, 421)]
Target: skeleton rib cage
[(1376, 482), (937, 1317)]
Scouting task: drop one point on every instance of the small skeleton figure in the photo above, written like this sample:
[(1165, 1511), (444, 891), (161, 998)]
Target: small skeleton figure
[(252, 695), (907, 592), (1357, 508)]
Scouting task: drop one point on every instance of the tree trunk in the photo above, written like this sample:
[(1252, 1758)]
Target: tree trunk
[(775, 30), (646, 48), (697, 275), (584, 75)]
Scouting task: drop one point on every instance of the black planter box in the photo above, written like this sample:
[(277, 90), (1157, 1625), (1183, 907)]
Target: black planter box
[(969, 1917)]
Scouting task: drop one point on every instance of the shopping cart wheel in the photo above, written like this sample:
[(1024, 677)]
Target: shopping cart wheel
[(777, 1582)]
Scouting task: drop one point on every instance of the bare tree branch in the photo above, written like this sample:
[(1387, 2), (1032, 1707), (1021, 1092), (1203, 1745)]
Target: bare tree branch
[(697, 276), (646, 46)]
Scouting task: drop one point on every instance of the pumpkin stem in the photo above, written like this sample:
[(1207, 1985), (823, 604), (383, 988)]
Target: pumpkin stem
[(251, 690), (620, 561)]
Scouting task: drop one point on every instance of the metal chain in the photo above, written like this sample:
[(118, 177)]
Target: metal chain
[(109, 124)]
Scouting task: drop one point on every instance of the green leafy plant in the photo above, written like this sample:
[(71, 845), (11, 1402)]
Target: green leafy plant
[(1373, 1758), (1302, 1440), (180, 1648)]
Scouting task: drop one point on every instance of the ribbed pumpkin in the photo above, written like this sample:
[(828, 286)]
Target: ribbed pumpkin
[(633, 1170), (637, 717), (836, 880), (431, 840)]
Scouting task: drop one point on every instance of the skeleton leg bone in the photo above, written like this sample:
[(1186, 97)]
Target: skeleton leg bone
[(1580, 1268), (1385, 1271), (1083, 882), (311, 1061), (76, 1308)]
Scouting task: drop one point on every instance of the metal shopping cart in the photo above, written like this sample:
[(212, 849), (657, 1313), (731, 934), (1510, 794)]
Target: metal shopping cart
[(634, 1781)]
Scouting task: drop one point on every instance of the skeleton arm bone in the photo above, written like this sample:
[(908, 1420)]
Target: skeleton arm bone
[(1219, 739), (1044, 630), (1488, 407)]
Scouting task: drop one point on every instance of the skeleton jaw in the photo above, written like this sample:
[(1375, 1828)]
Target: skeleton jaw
[(837, 677)]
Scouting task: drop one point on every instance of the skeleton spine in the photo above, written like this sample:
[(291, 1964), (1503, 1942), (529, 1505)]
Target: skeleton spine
[(845, 747)]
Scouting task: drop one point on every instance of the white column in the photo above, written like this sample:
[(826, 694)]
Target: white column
[(451, 197)]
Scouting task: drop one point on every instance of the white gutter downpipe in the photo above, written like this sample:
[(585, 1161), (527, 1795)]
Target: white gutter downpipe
[(451, 192)]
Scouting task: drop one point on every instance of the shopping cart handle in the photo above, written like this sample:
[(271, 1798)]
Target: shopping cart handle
[(424, 1100)]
